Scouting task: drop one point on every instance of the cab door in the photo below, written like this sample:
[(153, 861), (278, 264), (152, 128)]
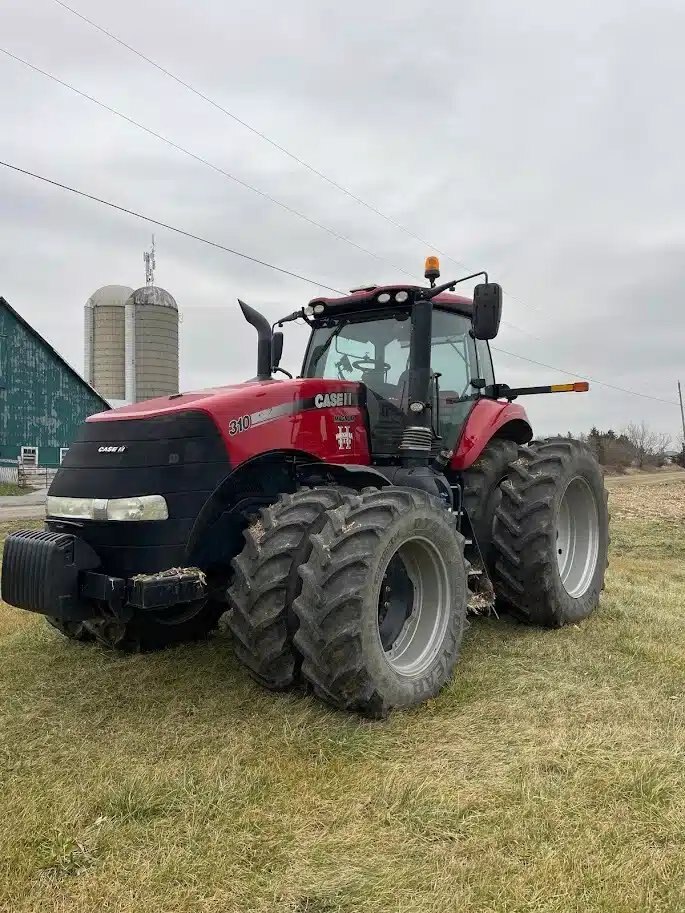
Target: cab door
[(453, 359)]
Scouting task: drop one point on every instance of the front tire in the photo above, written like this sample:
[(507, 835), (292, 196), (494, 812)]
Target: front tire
[(266, 581), (551, 533), (383, 602)]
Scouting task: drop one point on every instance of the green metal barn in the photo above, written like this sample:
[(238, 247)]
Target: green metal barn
[(43, 400)]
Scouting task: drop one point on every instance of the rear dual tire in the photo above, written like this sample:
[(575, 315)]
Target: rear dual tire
[(482, 492), (551, 533)]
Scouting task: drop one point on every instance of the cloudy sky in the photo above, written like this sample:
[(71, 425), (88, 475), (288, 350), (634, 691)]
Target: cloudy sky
[(544, 142)]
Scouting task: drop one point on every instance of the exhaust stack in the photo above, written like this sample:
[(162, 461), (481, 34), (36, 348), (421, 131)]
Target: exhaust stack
[(263, 328)]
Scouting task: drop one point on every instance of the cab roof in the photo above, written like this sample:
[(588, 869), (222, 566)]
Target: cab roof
[(369, 296)]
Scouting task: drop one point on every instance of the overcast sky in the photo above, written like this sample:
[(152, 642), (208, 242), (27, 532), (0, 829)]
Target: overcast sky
[(544, 142)]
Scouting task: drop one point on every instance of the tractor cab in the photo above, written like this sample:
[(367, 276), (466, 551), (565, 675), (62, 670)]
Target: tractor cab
[(369, 341), (420, 353)]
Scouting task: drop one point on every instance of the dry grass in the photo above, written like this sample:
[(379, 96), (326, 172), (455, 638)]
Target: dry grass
[(9, 488), (549, 777)]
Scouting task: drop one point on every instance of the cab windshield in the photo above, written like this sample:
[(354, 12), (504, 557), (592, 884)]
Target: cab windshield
[(375, 352)]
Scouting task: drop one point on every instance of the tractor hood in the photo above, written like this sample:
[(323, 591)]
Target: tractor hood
[(205, 400), (181, 447), (320, 417)]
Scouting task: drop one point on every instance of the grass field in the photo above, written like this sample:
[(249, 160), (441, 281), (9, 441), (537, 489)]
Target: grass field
[(550, 775), (9, 488)]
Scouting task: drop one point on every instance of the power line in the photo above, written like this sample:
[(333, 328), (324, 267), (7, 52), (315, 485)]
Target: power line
[(178, 231), (202, 161), (320, 174), (220, 170), (287, 272), (580, 374), (223, 172), (261, 135)]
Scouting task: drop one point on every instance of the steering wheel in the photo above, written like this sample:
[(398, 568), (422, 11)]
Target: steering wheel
[(369, 364)]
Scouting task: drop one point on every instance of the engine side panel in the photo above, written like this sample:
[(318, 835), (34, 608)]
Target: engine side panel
[(325, 418), (184, 447), (489, 418)]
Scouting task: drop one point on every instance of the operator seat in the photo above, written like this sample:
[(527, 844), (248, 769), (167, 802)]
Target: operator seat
[(376, 382)]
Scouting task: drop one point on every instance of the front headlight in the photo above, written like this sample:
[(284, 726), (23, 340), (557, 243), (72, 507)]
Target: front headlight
[(74, 508), (143, 507)]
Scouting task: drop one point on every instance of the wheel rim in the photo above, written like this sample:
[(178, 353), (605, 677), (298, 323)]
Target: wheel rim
[(413, 607), (577, 537)]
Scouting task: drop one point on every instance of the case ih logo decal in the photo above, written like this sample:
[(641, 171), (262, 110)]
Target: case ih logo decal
[(326, 400), (344, 438), (111, 449), (282, 410)]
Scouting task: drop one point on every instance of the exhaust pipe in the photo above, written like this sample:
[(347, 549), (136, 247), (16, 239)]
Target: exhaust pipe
[(263, 328)]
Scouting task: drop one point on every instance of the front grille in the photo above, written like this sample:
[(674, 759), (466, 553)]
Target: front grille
[(180, 456)]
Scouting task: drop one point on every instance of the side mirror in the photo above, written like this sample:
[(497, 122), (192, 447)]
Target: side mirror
[(276, 349), (487, 310)]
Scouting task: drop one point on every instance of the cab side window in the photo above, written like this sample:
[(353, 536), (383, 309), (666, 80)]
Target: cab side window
[(485, 369)]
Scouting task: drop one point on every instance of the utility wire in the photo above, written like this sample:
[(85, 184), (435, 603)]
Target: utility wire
[(220, 170), (267, 139), (263, 136), (202, 161), (580, 374), (287, 272), (178, 231)]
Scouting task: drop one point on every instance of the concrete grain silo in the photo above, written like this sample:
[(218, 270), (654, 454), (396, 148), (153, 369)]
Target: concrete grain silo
[(151, 344), (131, 340), (105, 341)]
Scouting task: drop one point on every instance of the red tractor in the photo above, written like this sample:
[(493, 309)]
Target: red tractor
[(346, 519)]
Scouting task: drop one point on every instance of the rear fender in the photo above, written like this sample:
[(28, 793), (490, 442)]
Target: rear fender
[(488, 419)]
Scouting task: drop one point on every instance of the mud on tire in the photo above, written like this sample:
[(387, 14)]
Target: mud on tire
[(551, 533), (266, 581), (341, 615)]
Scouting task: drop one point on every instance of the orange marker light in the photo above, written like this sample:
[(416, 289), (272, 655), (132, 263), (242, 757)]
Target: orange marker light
[(581, 386), (432, 270)]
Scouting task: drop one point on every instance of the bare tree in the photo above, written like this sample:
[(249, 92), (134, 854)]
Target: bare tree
[(661, 444), (648, 445)]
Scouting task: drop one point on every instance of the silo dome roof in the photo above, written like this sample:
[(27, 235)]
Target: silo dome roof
[(110, 296), (150, 294)]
